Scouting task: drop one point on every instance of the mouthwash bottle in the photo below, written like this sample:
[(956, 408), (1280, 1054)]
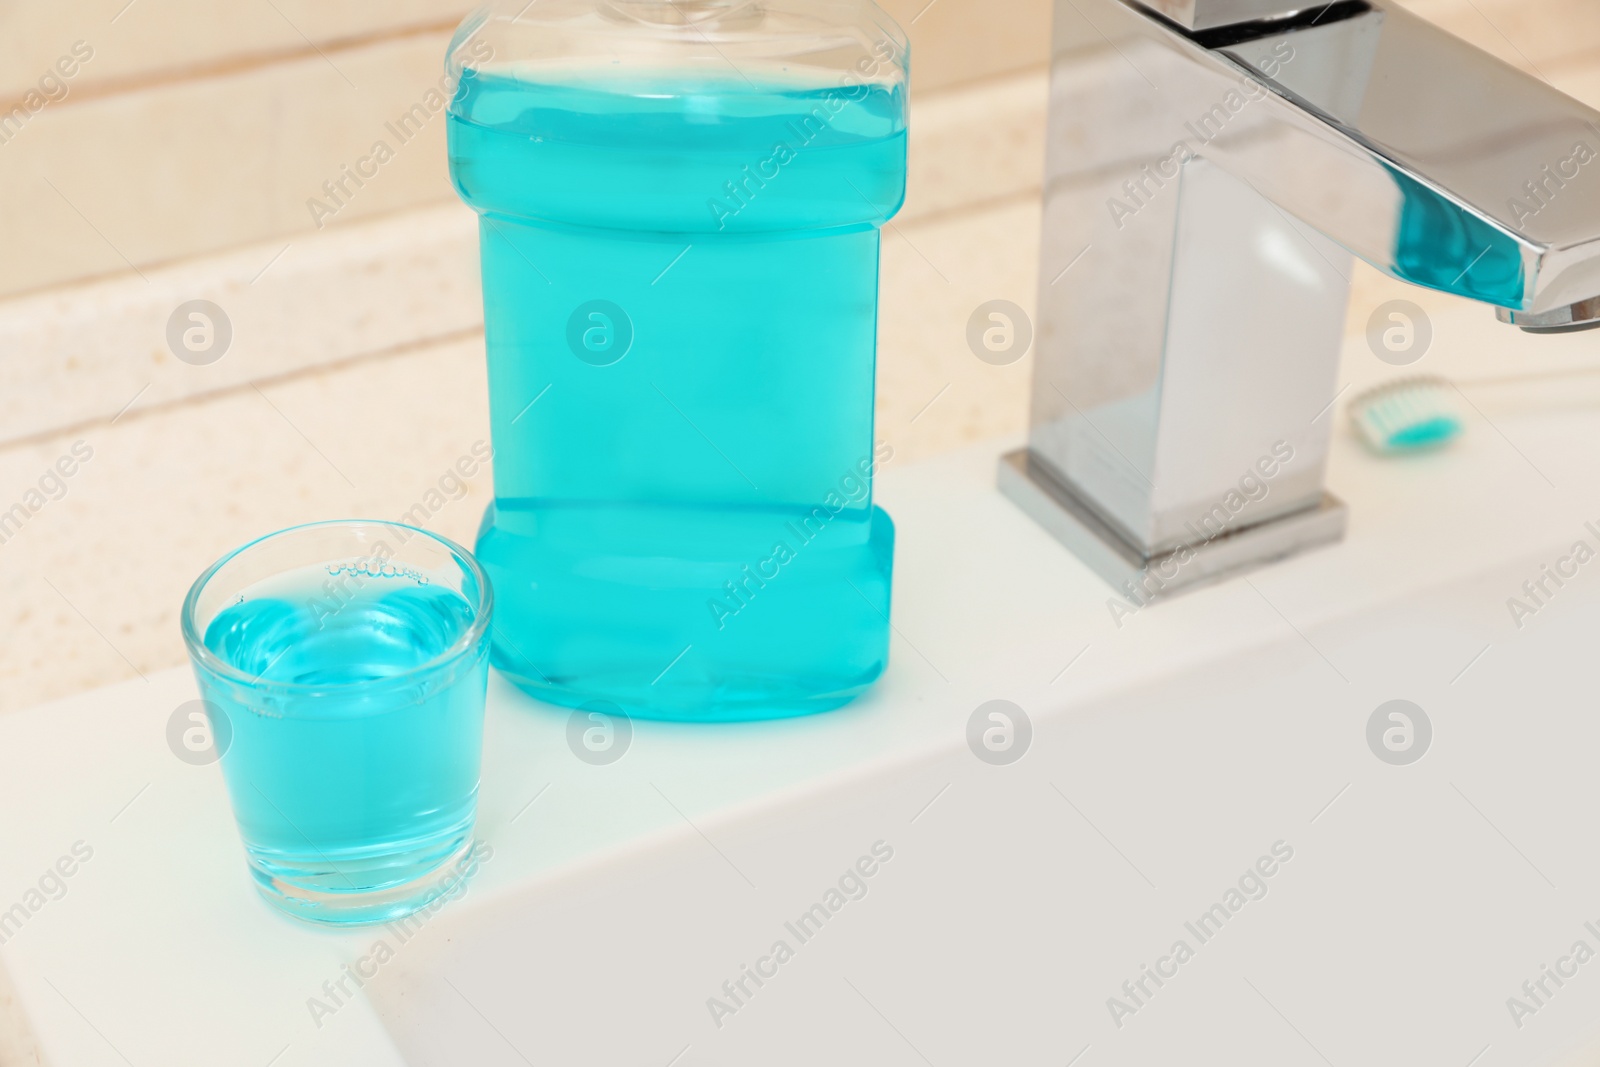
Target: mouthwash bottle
[(680, 205)]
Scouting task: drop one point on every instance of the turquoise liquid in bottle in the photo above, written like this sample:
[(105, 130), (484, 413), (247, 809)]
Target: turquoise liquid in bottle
[(680, 278)]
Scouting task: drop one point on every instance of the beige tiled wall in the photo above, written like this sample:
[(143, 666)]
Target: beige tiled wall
[(146, 41), (200, 124), (178, 168)]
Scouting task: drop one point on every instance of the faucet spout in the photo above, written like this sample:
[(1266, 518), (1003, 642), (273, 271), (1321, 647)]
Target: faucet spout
[(1478, 179), (1213, 166)]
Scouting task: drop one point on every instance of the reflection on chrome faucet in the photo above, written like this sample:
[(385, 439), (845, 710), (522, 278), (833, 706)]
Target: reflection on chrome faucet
[(1137, 191), (1205, 320)]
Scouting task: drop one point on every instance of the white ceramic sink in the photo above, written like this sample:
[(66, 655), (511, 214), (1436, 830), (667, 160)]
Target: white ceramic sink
[(1168, 755), (1417, 899)]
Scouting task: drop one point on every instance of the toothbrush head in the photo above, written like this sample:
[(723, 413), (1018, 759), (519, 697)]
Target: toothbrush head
[(1408, 415)]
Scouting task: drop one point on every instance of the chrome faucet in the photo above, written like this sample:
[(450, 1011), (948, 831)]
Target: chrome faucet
[(1212, 167)]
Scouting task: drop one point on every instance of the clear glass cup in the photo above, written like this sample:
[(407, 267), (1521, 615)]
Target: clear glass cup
[(343, 667)]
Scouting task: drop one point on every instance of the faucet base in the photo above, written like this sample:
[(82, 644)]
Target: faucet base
[(1125, 566)]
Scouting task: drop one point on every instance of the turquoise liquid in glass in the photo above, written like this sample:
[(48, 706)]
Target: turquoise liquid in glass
[(680, 281), (355, 779)]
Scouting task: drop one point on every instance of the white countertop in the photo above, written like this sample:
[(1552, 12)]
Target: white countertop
[(159, 951)]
